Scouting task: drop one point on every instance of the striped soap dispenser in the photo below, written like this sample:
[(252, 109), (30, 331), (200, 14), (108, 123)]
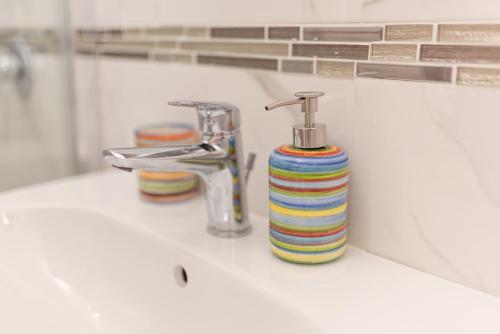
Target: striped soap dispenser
[(308, 184)]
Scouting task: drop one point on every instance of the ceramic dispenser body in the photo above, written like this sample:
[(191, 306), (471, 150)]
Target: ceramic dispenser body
[(308, 191)]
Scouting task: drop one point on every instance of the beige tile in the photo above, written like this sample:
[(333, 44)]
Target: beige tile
[(461, 53), (297, 66), (475, 33), (117, 44), (84, 47), (165, 44), (284, 33), (133, 31), (343, 34), (394, 52), (483, 77), (250, 63), (404, 72), (276, 49), (6, 33), (333, 51), (197, 31), (337, 69), (408, 32), (164, 31), (175, 58), (129, 48), (238, 32)]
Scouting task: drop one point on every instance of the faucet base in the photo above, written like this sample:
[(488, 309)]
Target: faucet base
[(228, 234)]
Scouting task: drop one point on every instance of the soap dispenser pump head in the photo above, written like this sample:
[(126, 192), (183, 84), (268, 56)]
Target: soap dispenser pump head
[(310, 134)]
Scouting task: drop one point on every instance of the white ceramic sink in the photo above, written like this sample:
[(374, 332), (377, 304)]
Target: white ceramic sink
[(85, 255), (70, 270)]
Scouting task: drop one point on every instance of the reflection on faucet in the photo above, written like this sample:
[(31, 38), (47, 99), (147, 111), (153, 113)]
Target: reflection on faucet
[(217, 159)]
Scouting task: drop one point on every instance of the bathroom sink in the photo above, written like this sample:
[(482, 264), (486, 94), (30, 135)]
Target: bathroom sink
[(85, 255), (68, 270)]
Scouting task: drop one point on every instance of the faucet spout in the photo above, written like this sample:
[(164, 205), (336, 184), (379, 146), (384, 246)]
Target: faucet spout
[(201, 158)]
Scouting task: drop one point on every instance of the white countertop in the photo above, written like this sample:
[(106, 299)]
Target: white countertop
[(359, 293)]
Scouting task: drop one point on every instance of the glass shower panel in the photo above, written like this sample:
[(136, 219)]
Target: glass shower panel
[(36, 116)]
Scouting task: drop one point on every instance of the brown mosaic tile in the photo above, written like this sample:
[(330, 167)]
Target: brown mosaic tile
[(297, 66), (394, 52), (343, 34), (238, 32), (408, 32), (337, 69), (469, 33), (460, 53), (252, 63), (404, 72), (333, 51), (134, 54), (482, 77), (275, 49), (284, 33)]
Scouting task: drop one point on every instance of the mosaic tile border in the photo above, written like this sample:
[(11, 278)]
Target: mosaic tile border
[(463, 54), (40, 40)]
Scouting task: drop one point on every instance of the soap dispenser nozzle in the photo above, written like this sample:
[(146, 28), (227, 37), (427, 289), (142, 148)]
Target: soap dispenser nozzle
[(310, 134)]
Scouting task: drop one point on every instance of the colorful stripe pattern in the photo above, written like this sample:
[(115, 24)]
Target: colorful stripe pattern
[(308, 203), (165, 187)]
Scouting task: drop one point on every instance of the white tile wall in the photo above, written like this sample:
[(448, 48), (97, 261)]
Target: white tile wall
[(428, 10), (425, 186), (226, 12), (34, 132), (30, 14), (88, 117), (230, 12)]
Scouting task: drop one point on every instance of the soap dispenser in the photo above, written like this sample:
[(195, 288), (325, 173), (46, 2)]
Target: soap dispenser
[(308, 184)]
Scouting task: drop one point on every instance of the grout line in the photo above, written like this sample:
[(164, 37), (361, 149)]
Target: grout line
[(454, 72), (434, 32)]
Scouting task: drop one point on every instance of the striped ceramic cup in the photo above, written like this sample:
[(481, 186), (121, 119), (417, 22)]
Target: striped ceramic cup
[(165, 187)]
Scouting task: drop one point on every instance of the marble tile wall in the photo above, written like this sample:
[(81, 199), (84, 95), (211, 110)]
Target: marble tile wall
[(424, 156)]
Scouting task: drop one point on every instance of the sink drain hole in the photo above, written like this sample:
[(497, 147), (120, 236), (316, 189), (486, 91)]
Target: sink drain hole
[(181, 276)]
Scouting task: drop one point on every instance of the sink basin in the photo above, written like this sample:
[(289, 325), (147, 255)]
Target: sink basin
[(85, 255), (70, 270)]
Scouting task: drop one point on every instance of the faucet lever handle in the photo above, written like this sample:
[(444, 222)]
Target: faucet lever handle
[(249, 165), (213, 116)]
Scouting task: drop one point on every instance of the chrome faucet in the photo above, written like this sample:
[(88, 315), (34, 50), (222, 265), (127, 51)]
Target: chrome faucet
[(217, 159)]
